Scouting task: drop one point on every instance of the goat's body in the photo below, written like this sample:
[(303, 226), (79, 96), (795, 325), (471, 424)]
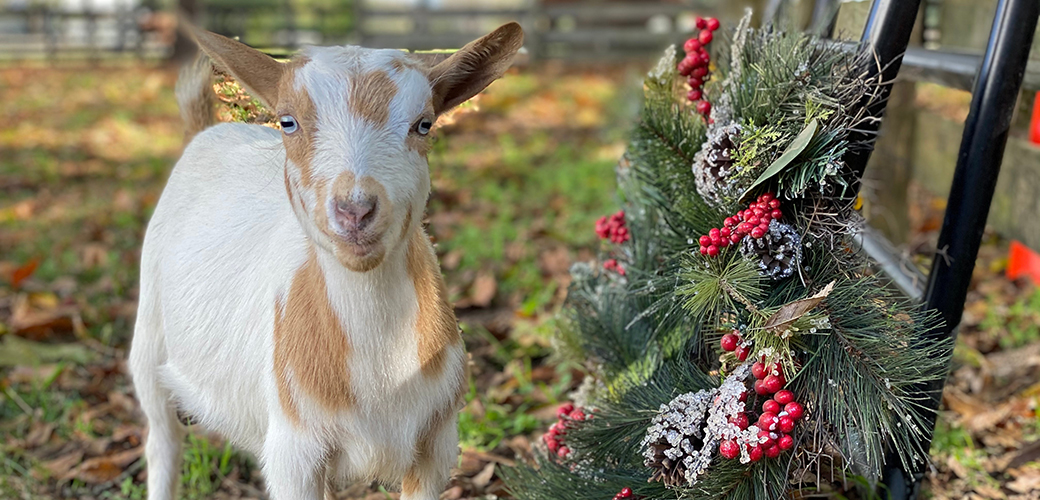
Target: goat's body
[(223, 256)]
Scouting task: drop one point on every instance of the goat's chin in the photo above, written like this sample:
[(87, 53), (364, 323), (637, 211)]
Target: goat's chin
[(360, 258)]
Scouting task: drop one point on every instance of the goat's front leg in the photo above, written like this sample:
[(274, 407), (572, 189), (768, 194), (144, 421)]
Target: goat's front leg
[(436, 454), (293, 463)]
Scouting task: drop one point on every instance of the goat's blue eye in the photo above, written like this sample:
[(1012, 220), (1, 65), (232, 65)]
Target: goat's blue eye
[(288, 124), (423, 126)]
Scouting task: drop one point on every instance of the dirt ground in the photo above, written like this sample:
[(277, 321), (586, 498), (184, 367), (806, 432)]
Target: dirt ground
[(520, 176)]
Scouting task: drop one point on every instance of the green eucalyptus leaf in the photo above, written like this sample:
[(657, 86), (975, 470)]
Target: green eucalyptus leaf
[(793, 150)]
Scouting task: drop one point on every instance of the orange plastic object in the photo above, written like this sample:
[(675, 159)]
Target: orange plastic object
[(1023, 261), (1034, 124)]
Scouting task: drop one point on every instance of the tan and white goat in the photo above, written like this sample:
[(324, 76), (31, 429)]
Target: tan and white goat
[(290, 299)]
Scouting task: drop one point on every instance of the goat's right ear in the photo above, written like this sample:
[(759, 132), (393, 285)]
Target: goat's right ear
[(257, 72)]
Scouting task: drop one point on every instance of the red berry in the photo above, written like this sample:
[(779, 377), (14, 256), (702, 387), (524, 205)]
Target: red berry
[(692, 45), (563, 452), (729, 342), (776, 213), (773, 383), (767, 421), (753, 220), (564, 409), (757, 232), (771, 406), (699, 72), (785, 442), (783, 397), (735, 237), (705, 37), (760, 389), (786, 424), (758, 212), (729, 222), (704, 107), (756, 453), (704, 250), (773, 451), (701, 22), (766, 197), (553, 444), (775, 369), (742, 352), (714, 232), (742, 397), (712, 23), (765, 439), (758, 370), (723, 243), (713, 251), (774, 203), (694, 95), (740, 420), (577, 415), (625, 492), (705, 240), (694, 82), (729, 449), (795, 410)]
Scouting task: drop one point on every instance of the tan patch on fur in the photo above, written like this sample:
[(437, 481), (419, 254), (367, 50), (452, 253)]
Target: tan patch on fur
[(370, 95), (309, 342), (435, 323), (256, 71), (428, 436), (299, 146)]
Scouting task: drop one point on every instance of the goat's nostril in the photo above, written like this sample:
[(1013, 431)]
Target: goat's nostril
[(356, 213)]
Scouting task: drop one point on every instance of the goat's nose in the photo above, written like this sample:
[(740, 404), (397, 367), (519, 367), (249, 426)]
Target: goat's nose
[(356, 214)]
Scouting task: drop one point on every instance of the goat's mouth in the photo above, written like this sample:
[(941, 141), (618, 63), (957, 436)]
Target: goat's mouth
[(358, 244)]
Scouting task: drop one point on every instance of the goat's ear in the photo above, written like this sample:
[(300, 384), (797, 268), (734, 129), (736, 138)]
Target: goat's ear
[(257, 72), (475, 66)]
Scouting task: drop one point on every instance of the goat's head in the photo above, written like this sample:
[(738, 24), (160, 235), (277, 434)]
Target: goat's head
[(354, 124)]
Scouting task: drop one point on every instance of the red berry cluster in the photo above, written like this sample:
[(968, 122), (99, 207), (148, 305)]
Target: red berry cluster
[(731, 343), (612, 265), (613, 228), (625, 492), (775, 423), (695, 66), (566, 415), (753, 221)]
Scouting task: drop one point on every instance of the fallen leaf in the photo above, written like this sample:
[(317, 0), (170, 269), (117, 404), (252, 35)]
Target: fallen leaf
[(484, 289), (482, 479), (61, 466), (16, 351), (104, 469), (24, 271)]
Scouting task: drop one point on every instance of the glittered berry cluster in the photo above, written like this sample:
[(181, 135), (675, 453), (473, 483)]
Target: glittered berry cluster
[(696, 65), (753, 222), (566, 415)]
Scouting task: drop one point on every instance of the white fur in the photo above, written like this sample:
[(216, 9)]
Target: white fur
[(221, 250)]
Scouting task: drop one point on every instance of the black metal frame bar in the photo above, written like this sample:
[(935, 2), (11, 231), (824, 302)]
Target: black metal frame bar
[(995, 93)]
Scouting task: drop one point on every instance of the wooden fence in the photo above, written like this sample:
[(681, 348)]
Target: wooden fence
[(580, 30)]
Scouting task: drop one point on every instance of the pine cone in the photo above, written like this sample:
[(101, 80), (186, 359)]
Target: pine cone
[(674, 438), (778, 252), (714, 165)]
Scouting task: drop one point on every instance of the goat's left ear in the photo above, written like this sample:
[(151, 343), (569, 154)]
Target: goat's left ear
[(474, 67), (256, 71)]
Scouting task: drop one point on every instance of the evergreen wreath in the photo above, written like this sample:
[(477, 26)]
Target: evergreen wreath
[(738, 344)]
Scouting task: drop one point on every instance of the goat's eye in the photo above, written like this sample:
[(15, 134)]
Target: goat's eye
[(288, 124), (423, 126)]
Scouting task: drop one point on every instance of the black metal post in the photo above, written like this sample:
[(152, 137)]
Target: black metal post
[(975, 179), (887, 34)]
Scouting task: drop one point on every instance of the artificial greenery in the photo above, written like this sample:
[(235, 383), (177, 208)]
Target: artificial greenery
[(852, 354)]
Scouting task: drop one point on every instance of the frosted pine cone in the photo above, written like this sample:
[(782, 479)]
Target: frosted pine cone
[(777, 253), (673, 442), (714, 165)]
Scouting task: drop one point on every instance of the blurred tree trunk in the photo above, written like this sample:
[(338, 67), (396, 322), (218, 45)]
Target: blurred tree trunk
[(183, 47)]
